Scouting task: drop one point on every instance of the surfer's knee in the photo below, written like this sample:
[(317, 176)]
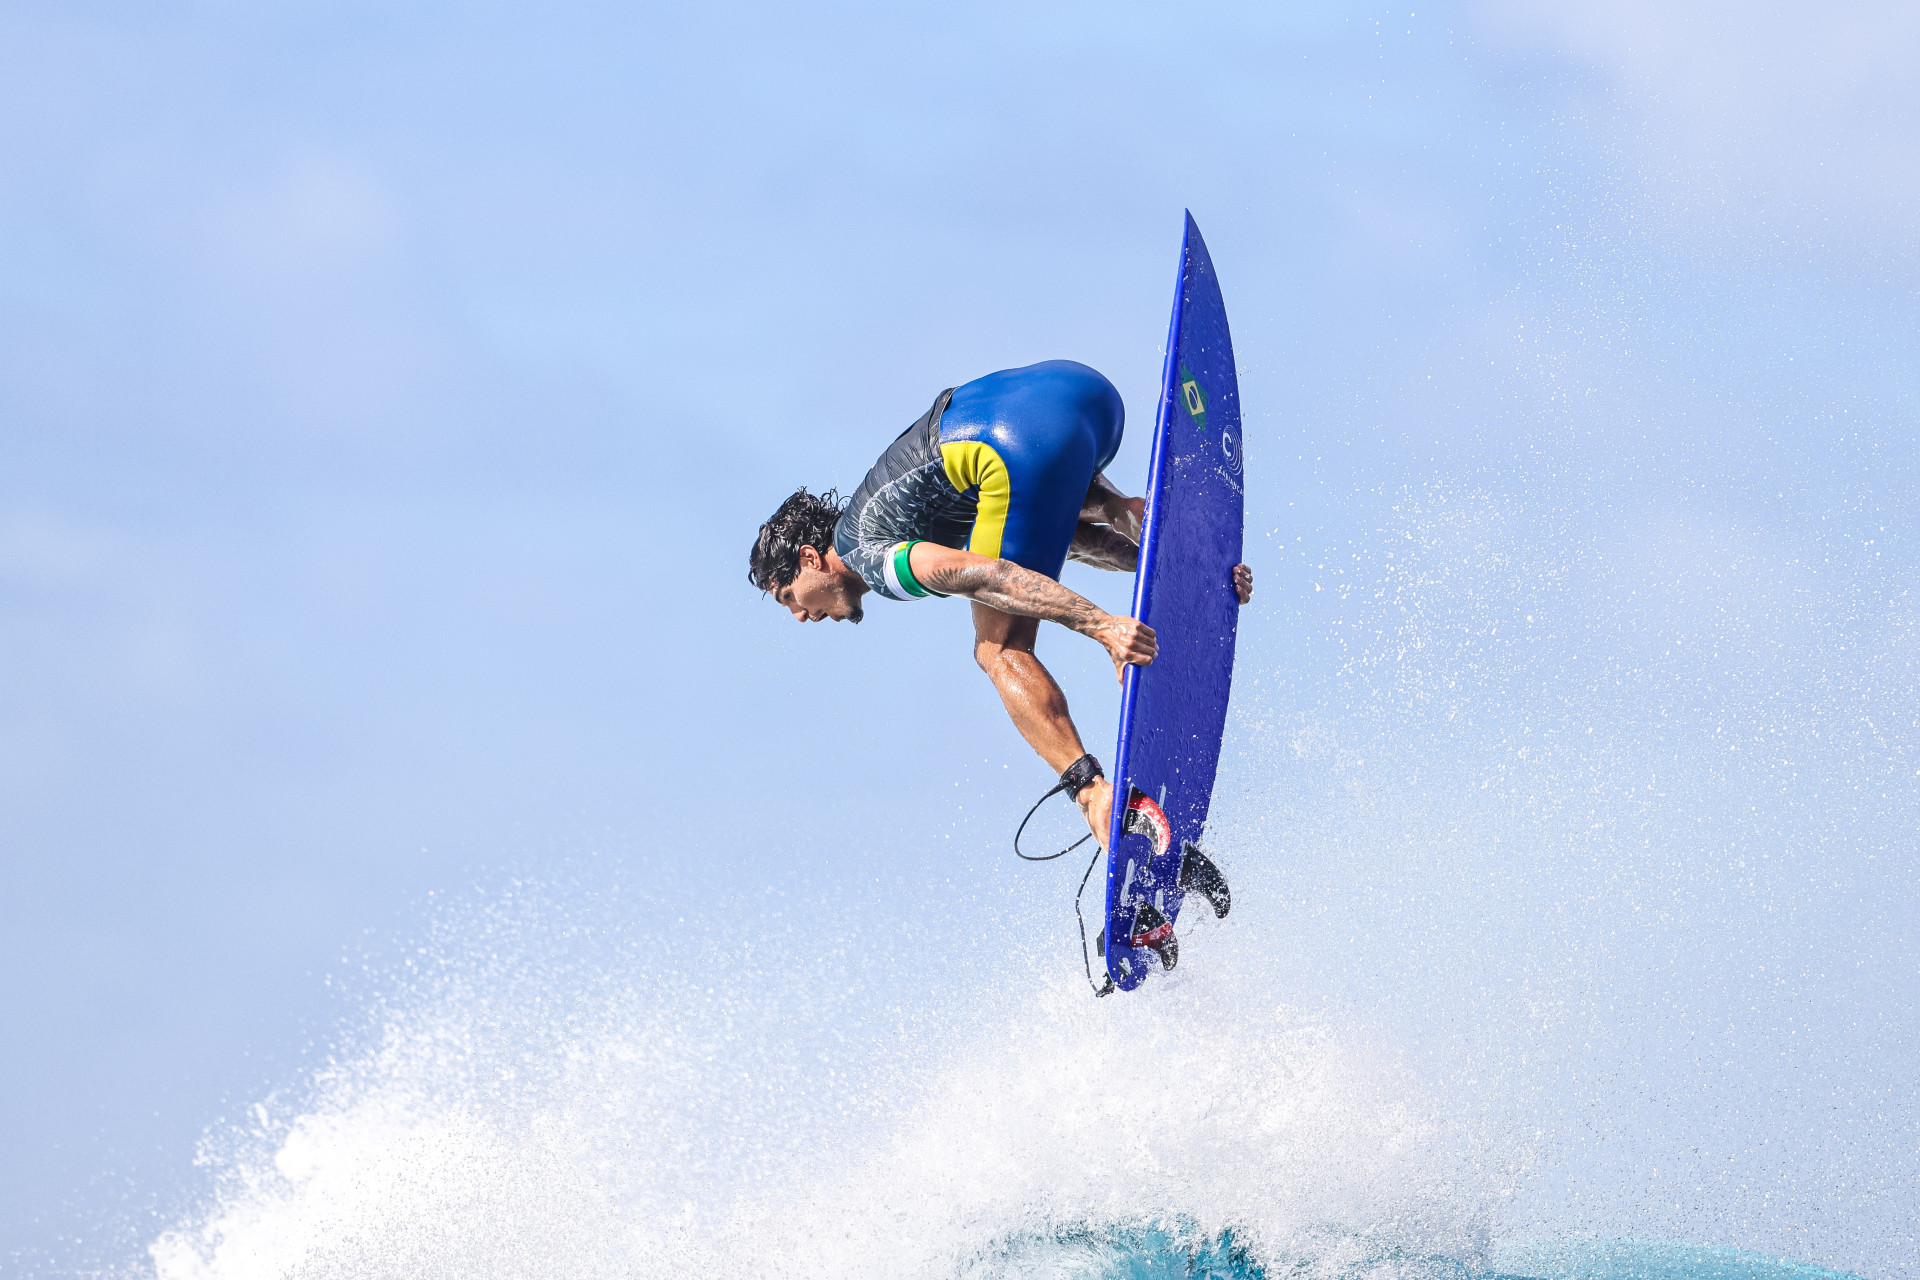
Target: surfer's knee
[(990, 654), (1000, 653)]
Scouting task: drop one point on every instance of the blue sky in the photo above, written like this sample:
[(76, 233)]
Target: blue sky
[(388, 394)]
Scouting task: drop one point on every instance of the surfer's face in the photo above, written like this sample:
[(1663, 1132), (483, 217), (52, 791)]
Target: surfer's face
[(817, 592)]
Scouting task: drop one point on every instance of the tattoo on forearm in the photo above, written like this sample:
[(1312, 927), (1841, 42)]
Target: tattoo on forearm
[(1003, 585)]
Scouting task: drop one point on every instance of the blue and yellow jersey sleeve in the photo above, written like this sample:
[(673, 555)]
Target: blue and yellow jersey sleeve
[(975, 467), (999, 467)]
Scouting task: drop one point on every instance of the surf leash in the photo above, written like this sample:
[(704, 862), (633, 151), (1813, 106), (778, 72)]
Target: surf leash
[(1104, 987), (1078, 775)]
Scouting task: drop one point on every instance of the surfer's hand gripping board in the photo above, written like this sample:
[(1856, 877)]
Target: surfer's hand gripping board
[(1010, 588)]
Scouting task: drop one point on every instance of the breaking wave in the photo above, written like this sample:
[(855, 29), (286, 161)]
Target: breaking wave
[(519, 1106), (518, 1114)]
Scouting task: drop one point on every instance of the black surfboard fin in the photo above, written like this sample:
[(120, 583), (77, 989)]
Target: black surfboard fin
[(1199, 875), (1154, 931)]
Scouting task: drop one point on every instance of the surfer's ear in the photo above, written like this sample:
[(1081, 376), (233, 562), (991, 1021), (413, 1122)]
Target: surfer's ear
[(803, 520), (810, 558)]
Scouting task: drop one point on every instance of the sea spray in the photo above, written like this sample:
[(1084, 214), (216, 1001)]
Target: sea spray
[(525, 1107)]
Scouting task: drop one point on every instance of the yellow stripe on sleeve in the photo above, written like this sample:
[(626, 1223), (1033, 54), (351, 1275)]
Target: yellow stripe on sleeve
[(973, 464)]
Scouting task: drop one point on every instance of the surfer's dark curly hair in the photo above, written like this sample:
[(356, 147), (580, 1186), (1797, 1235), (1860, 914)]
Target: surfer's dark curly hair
[(803, 520)]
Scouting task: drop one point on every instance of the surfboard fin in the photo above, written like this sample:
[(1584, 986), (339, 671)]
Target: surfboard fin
[(1154, 931), (1145, 818), (1199, 875)]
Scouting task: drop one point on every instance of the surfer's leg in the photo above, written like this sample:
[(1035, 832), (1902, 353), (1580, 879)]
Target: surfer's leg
[(1096, 806), (1100, 547), (1003, 646), (1104, 504), (1108, 536), (1052, 426)]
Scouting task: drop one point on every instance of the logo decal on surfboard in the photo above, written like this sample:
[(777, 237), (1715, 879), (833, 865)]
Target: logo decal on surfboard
[(1191, 397), (1230, 447)]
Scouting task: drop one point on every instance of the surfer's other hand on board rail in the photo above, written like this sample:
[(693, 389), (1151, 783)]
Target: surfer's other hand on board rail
[(1243, 582)]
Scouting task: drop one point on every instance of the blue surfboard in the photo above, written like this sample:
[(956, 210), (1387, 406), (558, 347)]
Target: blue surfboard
[(1172, 713)]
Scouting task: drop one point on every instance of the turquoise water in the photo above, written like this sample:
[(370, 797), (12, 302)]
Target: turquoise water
[(1160, 1254), (1647, 1260)]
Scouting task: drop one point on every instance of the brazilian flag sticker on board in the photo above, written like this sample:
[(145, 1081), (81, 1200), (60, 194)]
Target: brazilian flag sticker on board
[(1195, 402)]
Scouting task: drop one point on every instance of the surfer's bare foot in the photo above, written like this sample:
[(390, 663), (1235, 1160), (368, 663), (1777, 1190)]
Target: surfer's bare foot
[(1243, 582), (1096, 806)]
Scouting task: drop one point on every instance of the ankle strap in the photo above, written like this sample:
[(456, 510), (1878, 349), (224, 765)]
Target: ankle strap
[(1079, 774)]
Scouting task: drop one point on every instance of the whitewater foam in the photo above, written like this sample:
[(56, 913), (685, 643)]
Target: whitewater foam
[(537, 1117)]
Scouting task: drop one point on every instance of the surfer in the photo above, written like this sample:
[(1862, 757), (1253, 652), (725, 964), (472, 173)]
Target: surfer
[(986, 496)]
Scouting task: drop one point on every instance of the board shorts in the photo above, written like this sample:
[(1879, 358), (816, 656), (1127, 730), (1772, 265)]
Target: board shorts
[(999, 467)]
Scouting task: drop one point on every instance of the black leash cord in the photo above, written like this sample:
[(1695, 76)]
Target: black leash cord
[(1044, 857), (1103, 988), (1078, 775)]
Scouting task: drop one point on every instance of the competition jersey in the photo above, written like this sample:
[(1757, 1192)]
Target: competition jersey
[(999, 466)]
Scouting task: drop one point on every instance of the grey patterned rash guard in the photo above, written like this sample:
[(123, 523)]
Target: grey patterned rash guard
[(906, 498)]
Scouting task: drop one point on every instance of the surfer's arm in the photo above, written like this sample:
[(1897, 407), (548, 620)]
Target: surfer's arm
[(1010, 588)]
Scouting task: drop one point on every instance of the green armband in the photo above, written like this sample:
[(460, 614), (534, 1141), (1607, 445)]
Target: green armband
[(900, 573)]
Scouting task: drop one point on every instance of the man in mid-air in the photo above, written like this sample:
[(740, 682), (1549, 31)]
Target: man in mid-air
[(986, 496)]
